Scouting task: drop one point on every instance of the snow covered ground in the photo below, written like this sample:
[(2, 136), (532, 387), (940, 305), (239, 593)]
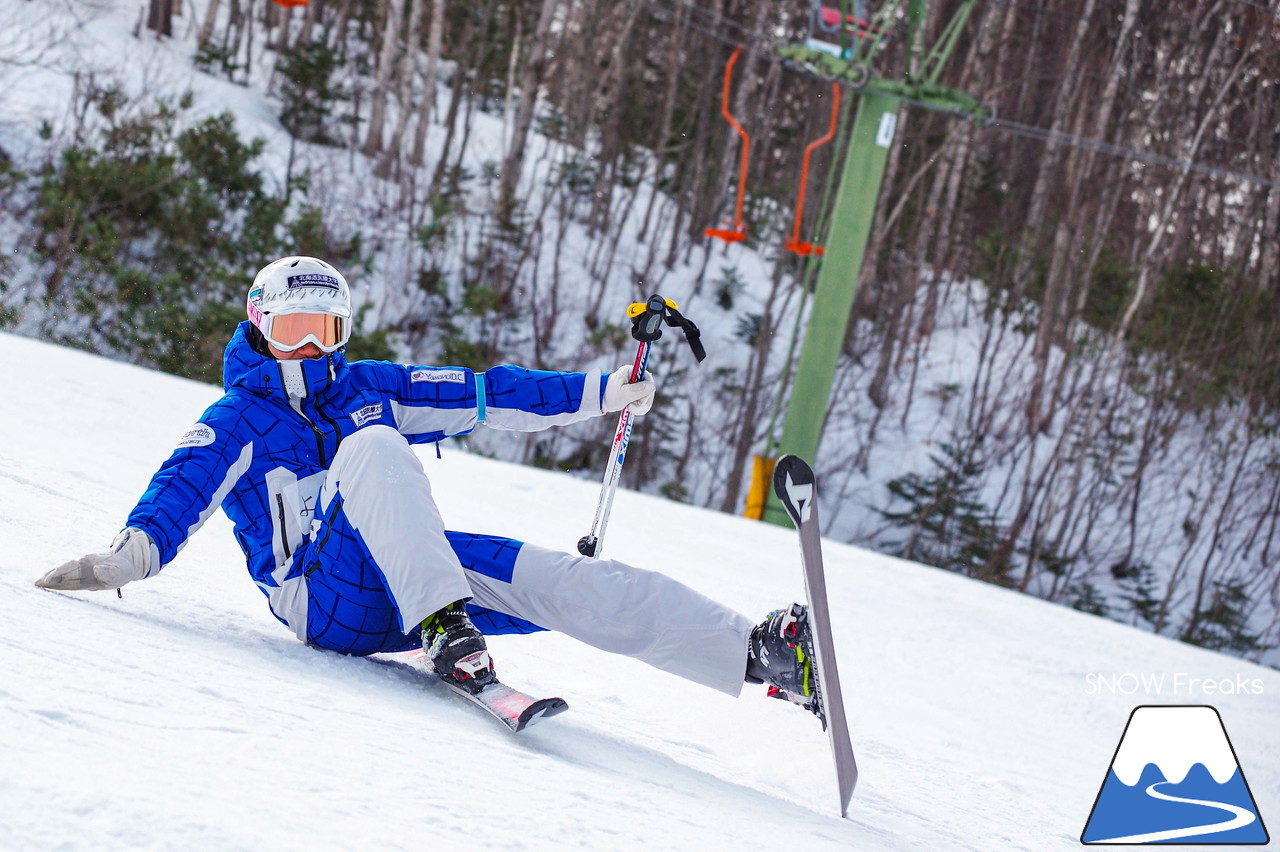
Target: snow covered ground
[(183, 716), (51, 48)]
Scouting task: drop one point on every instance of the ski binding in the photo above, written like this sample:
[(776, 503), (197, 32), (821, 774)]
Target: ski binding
[(513, 708)]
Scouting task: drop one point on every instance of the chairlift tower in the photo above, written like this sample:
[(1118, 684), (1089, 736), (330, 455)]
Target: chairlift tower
[(848, 61)]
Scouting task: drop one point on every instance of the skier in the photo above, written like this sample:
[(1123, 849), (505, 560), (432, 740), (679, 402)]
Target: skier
[(309, 456)]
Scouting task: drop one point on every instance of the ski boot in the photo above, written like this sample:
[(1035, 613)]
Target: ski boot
[(456, 649), (780, 653)]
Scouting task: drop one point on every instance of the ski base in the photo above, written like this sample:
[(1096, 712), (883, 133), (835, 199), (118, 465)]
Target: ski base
[(510, 706)]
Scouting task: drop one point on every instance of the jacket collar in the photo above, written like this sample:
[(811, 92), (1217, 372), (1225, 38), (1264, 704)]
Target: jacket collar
[(247, 368)]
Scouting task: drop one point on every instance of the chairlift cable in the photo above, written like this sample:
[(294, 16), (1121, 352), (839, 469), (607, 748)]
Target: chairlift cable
[(1003, 124)]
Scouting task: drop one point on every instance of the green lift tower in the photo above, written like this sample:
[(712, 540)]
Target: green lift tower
[(874, 129)]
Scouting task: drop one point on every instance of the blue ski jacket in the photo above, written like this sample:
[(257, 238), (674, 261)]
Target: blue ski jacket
[(264, 459)]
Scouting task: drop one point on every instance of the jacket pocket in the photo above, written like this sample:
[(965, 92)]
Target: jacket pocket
[(284, 504)]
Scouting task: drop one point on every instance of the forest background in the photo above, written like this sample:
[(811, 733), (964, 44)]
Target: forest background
[(1061, 375)]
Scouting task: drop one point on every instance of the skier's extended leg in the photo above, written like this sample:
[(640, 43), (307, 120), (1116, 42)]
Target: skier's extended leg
[(610, 605), (380, 562)]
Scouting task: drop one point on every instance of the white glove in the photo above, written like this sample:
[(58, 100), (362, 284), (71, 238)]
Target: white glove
[(620, 392), (131, 557)]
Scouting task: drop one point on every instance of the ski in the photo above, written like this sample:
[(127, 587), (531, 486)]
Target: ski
[(797, 488), (511, 707)]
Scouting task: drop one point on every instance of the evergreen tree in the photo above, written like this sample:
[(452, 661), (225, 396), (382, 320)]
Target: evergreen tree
[(946, 521)]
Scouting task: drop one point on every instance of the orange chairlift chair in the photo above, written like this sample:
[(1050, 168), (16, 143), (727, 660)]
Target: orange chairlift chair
[(796, 245), (739, 231)]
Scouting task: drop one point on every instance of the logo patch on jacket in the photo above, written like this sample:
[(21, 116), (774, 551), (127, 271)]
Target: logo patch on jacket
[(368, 414), (199, 435), (455, 376)]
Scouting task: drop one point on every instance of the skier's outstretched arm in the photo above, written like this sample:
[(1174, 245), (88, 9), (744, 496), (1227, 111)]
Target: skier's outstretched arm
[(437, 402), (181, 496), (527, 400)]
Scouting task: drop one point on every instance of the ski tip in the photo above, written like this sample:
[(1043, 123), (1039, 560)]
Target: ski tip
[(794, 468), (796, 487), (539, 710)]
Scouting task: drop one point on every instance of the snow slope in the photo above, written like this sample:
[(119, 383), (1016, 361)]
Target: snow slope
[(183, 716), (49, 50)]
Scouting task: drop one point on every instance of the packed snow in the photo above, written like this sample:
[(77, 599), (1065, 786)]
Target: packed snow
[(183, 716), (52, 50)]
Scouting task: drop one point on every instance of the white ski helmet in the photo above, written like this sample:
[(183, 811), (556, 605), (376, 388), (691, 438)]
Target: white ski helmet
[(300, 285)]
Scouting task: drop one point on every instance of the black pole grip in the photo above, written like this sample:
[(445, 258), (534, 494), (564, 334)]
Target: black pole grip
[(647, 326)]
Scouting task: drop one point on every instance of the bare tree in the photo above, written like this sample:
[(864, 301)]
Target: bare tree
[(435, 38), (387, 61), (531, 76), (160, 16)]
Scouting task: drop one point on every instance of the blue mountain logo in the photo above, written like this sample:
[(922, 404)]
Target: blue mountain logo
[(1175, 779)]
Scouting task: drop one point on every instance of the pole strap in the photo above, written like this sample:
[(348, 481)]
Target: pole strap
[(647, 319)]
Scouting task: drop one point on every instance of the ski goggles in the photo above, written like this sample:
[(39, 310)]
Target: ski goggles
[(288, 332)]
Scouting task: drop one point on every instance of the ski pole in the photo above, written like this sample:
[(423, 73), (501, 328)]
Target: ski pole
[(646, 326)]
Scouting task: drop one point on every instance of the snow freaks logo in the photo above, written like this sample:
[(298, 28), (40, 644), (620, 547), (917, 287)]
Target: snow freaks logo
[(1175, 778), (1181, 683)]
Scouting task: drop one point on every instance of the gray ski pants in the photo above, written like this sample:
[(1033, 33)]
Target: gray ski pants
[(380, 488)]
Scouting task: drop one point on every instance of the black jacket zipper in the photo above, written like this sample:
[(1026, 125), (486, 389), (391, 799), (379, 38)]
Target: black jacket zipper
[(324, 457), (337, 433), (284, 531)]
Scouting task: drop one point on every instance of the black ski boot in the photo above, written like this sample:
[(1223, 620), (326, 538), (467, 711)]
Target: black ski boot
[(780, 653), (456, 649)]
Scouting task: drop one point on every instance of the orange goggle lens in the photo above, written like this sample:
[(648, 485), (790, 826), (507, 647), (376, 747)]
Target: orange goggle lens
[(290, 331)]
